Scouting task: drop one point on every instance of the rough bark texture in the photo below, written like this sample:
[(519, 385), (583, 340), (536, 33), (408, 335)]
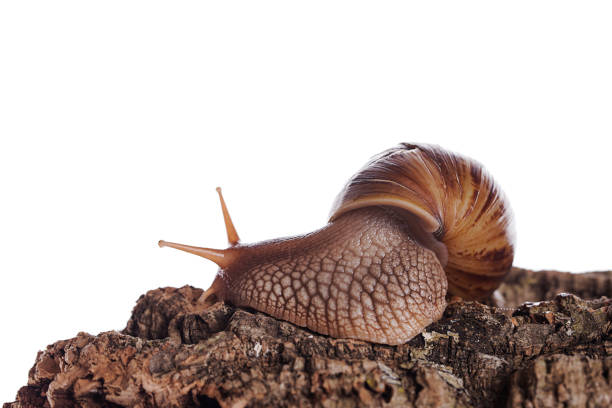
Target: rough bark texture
[(176, 351)]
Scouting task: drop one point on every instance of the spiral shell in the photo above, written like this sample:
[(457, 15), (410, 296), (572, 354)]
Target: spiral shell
[(454, 198)]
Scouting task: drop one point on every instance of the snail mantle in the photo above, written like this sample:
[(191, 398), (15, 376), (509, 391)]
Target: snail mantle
[(179, 352)]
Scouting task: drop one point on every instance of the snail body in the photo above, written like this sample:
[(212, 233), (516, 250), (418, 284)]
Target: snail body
[(413, 224)]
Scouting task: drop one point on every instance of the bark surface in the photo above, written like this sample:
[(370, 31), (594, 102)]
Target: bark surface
[(528, 346)]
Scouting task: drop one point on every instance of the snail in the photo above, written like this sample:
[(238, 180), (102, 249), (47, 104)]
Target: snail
[(414, 223)]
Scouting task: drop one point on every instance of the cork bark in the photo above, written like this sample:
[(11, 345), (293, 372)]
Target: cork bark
[(554, 350)]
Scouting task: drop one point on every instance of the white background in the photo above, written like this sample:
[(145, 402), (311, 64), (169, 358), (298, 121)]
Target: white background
[(118, 119)]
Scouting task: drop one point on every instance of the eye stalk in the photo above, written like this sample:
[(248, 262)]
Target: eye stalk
[(232, 235), (222, 257)]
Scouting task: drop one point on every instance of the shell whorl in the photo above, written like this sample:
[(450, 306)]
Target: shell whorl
[(454, 198)]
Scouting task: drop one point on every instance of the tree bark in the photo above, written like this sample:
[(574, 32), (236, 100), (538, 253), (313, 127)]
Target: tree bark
[(178, 351)]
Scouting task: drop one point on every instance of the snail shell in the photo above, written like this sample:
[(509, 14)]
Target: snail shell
[(454, 198), (415, 221)]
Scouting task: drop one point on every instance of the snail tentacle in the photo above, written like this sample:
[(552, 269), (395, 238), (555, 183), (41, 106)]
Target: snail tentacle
[(232, 235), (222, 257)]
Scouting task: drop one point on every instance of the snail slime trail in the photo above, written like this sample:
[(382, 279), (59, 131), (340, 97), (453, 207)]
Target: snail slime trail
[(414, 223)]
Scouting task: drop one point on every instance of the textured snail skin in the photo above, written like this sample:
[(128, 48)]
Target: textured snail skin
[(362, 277), (415, 221)]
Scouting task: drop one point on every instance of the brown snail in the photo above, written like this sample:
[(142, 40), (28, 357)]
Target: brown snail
[(415, 221)]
